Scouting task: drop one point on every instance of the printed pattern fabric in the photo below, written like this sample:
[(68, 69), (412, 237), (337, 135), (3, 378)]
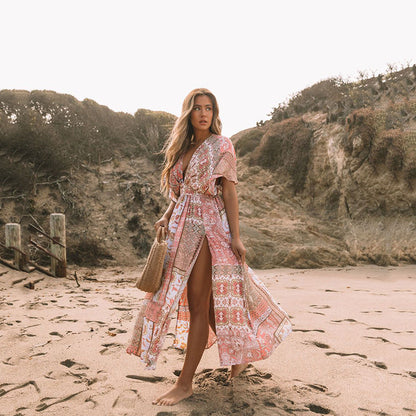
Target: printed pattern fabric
[(249, 323)]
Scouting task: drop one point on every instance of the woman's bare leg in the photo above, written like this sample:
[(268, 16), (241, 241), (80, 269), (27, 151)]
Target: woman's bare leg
[(212, 314), (199, 293)]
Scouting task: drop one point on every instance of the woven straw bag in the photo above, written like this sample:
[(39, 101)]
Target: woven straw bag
[(151, 277)]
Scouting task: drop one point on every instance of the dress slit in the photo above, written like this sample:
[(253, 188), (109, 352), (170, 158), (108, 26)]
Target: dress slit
[(183, 316)]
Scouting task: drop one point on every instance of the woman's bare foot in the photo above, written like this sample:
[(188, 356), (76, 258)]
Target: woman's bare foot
[(237, 369), (174, 395)]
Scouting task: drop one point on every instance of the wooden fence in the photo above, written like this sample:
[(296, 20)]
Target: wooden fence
[(56, 251)]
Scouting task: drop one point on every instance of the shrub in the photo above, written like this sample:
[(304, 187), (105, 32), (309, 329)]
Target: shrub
[(133, 223), (54, 132), (388, 148), (410, 172), (86, 252), (287, 146), (395, 156), (361, 123), (248, 142), (142, 242), (16, 176)]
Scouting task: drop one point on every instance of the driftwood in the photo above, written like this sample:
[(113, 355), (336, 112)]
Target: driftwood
[(13, 196), (62, 179)]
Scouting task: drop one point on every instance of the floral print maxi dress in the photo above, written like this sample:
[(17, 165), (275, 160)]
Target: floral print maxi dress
[(249, 323)]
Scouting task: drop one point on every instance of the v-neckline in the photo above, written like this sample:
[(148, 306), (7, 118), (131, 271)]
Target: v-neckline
[(190, 160)]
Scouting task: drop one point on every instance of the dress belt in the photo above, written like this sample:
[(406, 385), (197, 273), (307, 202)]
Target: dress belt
[(192, 193)]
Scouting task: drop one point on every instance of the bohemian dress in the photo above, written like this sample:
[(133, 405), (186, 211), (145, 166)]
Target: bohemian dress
[(249, 323)]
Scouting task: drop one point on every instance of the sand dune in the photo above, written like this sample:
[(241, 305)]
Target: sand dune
[(352, 350)]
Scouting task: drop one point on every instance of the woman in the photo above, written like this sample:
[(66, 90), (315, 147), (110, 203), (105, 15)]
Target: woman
[(216, 295)]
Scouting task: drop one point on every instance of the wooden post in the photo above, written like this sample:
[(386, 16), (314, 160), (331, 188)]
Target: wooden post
[(57, 229), (13, 239)]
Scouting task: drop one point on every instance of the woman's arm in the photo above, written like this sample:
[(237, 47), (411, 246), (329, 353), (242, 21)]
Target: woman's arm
[(166, 216), (229, 194)]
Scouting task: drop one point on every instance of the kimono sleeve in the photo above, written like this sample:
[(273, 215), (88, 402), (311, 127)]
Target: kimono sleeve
[(174, 187), (172, 195), (227, 163)]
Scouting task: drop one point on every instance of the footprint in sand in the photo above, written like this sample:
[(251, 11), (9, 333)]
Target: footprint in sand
[(345, 354), (308, 330), (126, 400), (371, 311), (74, 365), (380, 364), (57, 334), (316, 408), (121, 309), (317, 344), (379, 329), (319, 387), (345, 320), (110, 348), (116, 331), (380, 338), (91, 403)]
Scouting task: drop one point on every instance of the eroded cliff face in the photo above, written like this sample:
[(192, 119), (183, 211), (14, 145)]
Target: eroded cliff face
[(357, 204)]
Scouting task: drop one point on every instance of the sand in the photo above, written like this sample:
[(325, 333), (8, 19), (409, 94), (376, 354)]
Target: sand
[(352, 350)]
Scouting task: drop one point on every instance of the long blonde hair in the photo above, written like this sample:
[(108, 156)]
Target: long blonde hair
[(182, 133)]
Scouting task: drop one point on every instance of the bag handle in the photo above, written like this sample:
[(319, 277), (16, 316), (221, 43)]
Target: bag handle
[(161, 234)]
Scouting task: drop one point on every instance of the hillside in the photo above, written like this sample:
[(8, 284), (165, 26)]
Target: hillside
[(330, 179), (99, 167), (341, 160)]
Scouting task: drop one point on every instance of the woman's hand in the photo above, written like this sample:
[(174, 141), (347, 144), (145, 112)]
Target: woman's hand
[(238, 249), (163, 222)]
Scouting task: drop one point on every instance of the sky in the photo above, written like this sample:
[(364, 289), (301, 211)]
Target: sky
[(253, 55)]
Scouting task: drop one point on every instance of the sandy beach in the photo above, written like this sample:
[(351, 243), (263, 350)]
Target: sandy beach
[(351, 352)]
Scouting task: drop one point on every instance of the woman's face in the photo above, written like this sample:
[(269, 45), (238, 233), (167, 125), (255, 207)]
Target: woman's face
[(202, 113)]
